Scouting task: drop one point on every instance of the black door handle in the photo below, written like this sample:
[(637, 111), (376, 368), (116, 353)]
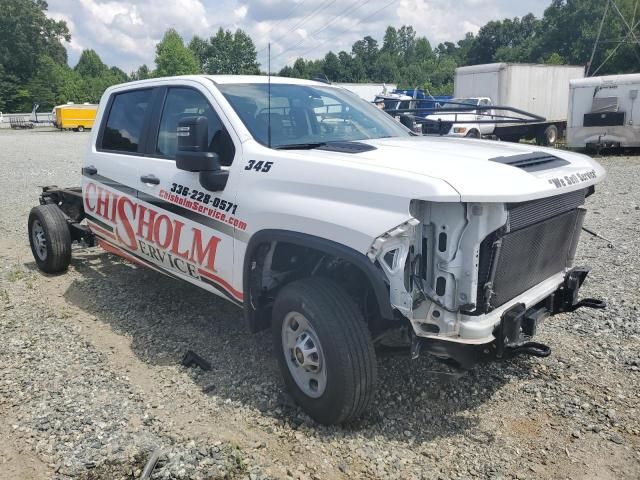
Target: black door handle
[(152, 179), (90, 170)]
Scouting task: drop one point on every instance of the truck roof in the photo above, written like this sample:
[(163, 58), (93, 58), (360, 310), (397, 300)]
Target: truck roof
[(230, 79)]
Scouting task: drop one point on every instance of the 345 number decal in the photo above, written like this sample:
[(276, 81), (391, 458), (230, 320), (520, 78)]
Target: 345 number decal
[(258, 166)]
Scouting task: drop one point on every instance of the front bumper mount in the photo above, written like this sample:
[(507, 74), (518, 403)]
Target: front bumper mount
[(517, 326)]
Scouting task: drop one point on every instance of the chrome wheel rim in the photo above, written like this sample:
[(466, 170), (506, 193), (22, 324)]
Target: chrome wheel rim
[(39, 240), (303, 354)]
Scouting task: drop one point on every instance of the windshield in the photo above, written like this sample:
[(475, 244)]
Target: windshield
[(304, 114), (455, 103)]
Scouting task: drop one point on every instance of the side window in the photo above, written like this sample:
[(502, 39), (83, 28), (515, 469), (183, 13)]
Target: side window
[(185, 102), (126, 120)]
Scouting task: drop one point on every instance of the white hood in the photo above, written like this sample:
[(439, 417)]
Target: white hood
[(469, 166)]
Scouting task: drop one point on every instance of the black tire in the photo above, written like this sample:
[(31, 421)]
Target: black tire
[(54, 255), (473, 134), (80, 128), (348, 353), (548, 136)]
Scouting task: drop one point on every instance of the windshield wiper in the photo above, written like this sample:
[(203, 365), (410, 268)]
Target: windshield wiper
[(300, 146)]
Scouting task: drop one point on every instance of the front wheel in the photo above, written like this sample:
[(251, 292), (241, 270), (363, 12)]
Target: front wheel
[(324, 349), (50, 238)]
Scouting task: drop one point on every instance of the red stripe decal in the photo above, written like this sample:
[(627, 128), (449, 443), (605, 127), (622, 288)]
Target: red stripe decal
[(100, 230), (222, 283), (108, 247)]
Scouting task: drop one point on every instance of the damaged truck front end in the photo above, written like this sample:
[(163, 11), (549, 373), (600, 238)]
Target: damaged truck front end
[(476, 279)]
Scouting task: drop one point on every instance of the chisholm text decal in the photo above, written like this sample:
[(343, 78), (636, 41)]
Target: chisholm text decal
[(155, 235)]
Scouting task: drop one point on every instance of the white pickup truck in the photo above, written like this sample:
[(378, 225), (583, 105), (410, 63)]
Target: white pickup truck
[(322, 217), (466, 123)]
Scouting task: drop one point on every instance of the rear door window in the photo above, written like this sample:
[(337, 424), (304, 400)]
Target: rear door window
[(125, 123)]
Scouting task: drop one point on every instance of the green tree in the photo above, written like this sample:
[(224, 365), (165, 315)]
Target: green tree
[(570, 28), (26, 33), (142, 73), (407, 42), (226, 53), (366, 52), (423, 51), (173, 58), (331, 66), (391, 43), (90, 64)]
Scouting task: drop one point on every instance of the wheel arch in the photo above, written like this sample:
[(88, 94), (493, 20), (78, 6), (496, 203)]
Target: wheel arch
[(257, 320)]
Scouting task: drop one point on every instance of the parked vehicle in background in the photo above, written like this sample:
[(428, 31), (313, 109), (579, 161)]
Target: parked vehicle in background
[(604, 112), (394, 100), (329, 222), (367, 91), (462, 123), (77, 117), (423, 99), (542, 90)]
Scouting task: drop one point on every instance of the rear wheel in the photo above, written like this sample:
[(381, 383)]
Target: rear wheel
[(50, 238), (324, 349), (80, 128), (473, 134), (548, 136)]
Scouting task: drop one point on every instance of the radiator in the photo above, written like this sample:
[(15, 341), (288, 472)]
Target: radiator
[(537, 243)]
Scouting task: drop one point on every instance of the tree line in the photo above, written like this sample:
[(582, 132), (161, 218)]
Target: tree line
[(34, 68)]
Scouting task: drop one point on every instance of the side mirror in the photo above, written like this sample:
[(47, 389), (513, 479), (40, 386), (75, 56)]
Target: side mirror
[(192, 154)]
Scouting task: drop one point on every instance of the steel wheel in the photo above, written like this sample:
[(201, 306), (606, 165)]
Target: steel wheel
[(49, 238), (304, 355), (39, 240)]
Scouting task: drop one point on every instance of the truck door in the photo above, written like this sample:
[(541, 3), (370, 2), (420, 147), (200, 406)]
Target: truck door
[(110, 173), (187, 230)]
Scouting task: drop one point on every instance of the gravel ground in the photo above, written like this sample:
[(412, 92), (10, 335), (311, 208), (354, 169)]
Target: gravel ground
[(91, 381)]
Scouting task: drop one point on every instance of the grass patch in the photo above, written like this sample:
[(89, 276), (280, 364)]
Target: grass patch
[(15, 275)]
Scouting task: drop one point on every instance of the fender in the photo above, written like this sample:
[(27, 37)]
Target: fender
[(375, 275)]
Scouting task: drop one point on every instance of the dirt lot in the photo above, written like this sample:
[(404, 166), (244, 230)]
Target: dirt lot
[(91, 381)]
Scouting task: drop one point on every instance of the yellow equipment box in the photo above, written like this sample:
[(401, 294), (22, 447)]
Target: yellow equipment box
[(75, 116)]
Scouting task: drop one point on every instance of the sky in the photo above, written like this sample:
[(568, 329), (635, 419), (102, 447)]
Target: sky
[(124, 33)]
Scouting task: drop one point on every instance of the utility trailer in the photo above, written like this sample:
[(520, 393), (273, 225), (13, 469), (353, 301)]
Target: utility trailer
[(18, 122), (542, 90), (604, 112)]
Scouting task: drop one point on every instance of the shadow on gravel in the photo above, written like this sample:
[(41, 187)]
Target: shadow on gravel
[(165, 318)]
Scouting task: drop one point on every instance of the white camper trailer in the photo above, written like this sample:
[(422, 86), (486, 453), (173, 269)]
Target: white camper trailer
[(604, 112)]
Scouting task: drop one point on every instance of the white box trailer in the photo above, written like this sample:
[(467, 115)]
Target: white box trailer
[(539, 89), (604, 112)]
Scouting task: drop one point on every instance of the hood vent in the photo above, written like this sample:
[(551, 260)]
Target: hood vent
[(347, 147), (532, 162)]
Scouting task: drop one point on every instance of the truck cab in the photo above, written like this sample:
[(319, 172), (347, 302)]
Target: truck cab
[(329, 222), (457, 118)]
